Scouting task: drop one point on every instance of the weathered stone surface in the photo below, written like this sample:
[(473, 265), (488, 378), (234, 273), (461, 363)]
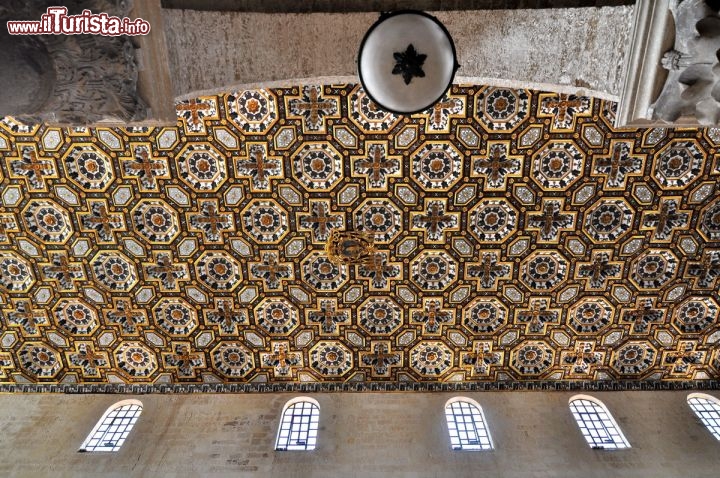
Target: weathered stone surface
[(293, 6), (565, 50), (76, 79)]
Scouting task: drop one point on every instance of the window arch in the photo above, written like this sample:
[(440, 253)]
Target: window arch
[(597, 424), (707, 409), (113, 428), (466, 425), (298, 425)]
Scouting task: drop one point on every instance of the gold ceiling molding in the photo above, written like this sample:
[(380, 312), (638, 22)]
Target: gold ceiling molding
[(299, 234)]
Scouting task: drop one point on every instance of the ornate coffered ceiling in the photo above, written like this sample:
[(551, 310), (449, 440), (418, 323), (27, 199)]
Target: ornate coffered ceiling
[(518, 237)]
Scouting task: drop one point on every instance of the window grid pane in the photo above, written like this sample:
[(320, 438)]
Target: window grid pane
[(708, 412), (114, 428), (466, 427), (298, 427), (597, 425)]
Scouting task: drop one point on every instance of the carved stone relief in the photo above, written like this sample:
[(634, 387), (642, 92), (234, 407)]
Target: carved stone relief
[(692, 87), (672, 68), (76, 79)]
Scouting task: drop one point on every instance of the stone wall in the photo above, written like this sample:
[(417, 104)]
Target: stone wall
[(361, 434), (565, 50), (287, 6)]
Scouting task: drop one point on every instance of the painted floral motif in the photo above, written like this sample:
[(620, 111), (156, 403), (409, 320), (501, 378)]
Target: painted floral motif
[(710, 221), (317, 166), (679, 164), (136, 359), (433, 270), (695, 315), (380, 316), (367, 115), (633, 358), (558, 165), (544, 270), (484, 316), (380, 218), (590, 316), (322, 274), (532, 358), (218, 271), (175, 316), (654, 269), (39, 360), (265, 221), (493, 220), (276, 316), (437, 166), (89, 168), (15, 272), (253, 111), (114, 271), (202, 167), (501, 109), (431, 359), (76, 316), (232, 359), (48, 221), (331, 359), (608, 220), (156, 221)]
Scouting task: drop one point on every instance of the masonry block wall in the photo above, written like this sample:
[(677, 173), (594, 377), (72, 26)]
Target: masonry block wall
[(361, 434)]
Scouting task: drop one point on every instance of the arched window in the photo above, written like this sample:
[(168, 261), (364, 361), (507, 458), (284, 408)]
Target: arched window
[(298, 425), (113, 428), (707, 408), (466, 425), (596, 423)]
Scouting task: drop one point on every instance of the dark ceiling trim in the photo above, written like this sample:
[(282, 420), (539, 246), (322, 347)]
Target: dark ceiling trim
[(329, 387), (346, 6)]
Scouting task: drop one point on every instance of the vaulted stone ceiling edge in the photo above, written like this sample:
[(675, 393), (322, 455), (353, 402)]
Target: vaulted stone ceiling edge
[(519, 241)]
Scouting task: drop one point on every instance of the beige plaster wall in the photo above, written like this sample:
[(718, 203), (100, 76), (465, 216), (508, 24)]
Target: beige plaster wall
[(565, 50), (361, 434)]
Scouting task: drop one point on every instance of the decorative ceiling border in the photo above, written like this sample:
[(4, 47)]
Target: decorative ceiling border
[(333, 387)]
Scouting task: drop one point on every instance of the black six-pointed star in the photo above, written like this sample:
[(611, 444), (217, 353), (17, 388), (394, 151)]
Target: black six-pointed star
[(409, 64)]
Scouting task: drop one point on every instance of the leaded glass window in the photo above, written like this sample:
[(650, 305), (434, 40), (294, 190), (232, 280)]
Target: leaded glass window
[(597, 424), (466, 426), (113, 428), (299, 425), (707, 409)]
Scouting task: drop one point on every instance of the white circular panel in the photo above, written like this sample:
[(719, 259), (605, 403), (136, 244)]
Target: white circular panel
[(394, 34)]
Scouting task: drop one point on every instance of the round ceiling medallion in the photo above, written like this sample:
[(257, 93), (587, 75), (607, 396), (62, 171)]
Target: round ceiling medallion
[(407, 61)]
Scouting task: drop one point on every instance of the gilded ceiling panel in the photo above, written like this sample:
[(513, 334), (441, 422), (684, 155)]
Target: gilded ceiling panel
[(302, 235)]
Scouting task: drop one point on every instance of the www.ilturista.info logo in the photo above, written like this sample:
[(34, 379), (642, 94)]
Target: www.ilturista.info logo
[(57, 22)]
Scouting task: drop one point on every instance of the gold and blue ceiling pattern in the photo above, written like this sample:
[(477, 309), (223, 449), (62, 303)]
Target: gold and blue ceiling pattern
[(517, 236)]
